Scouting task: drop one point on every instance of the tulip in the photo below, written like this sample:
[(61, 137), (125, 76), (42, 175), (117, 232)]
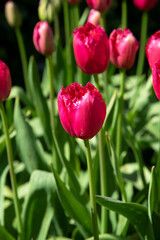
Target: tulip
[(13, 14), (123, 48), (91, 48), (47, 9), (153, 49), (43, 38), (82, 110), (94, 17), (99, 5), (5, 81), (156, 79), (145, 5)]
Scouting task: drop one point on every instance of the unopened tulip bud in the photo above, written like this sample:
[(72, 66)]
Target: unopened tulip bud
[(94, 17), (5, 81), (153, 49), (91, 48), (100, 5), (13, 14), (156, 78), (47, 9), (82, 110), (144, 5), (123, 48), (43, 38)]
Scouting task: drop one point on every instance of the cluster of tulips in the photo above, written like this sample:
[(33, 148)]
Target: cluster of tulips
[(82, 110)]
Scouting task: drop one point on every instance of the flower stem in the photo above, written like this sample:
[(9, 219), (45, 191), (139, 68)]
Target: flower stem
[(120, 116), (92, 191), (141, 57), (103, 173), (124, 13), (23, 59), (12, 174), (56, 27)]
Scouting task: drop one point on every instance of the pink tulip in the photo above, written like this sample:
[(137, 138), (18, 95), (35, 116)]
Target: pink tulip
[(5, 81), (91, 48), (43, 38), (82, 110), (94, 17), (144, 5), (153, 49), (123, 48), (99, 5), (156, 78)]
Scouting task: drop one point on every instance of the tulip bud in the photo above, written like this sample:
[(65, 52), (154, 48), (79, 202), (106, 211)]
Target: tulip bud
[(153, 49), (43, 38), (47, 9), (5, 81), (123, 48), (156, 78), (82, 110), (13, 15), (144, 5), (94, 17), (91, 48), (99, 5)]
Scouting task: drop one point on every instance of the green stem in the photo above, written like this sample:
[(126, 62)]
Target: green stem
[(56, 27), (141, 57), (92, 191), (103, 173), (120, 116), (12, 174), (124, 14), (23, 59), (67, 41)]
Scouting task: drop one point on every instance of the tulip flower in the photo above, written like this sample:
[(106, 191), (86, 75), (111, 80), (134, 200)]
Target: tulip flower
[(5, 81), (43, 38), (47, 9), (123, 48), (94, 17), (91, 48), (156, 79), (99, 5), (13, 14), (153, 49), (145, 5), (82, 110)]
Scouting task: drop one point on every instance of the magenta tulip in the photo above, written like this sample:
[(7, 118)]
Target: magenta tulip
[(5, 81), (94, 17), (43, 38), (91, 48), (82, 110), (99, 5), (144, 5), (153, 49), (123, 48), (156, 78)]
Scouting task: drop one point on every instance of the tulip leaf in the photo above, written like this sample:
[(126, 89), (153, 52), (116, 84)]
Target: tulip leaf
[(4, 235), (73, 207), (27, 145), (39, 206), (18, 91), (112, 237), (135, 213)]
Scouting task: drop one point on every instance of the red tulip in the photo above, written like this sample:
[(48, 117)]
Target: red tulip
[(153, 49), (156, 78), (123, 48), (43, 38), (91, 48), (5, 81), (99, 5), (82, 110), (94, 17), (144, 5)]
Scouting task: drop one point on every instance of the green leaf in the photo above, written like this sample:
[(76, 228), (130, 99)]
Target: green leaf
[(39, 206), (27, 145), (4, 235), (73, 207), (113, 237), (135, 213)]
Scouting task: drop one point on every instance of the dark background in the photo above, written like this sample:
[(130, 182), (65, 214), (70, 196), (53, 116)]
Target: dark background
[(9, 51)]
